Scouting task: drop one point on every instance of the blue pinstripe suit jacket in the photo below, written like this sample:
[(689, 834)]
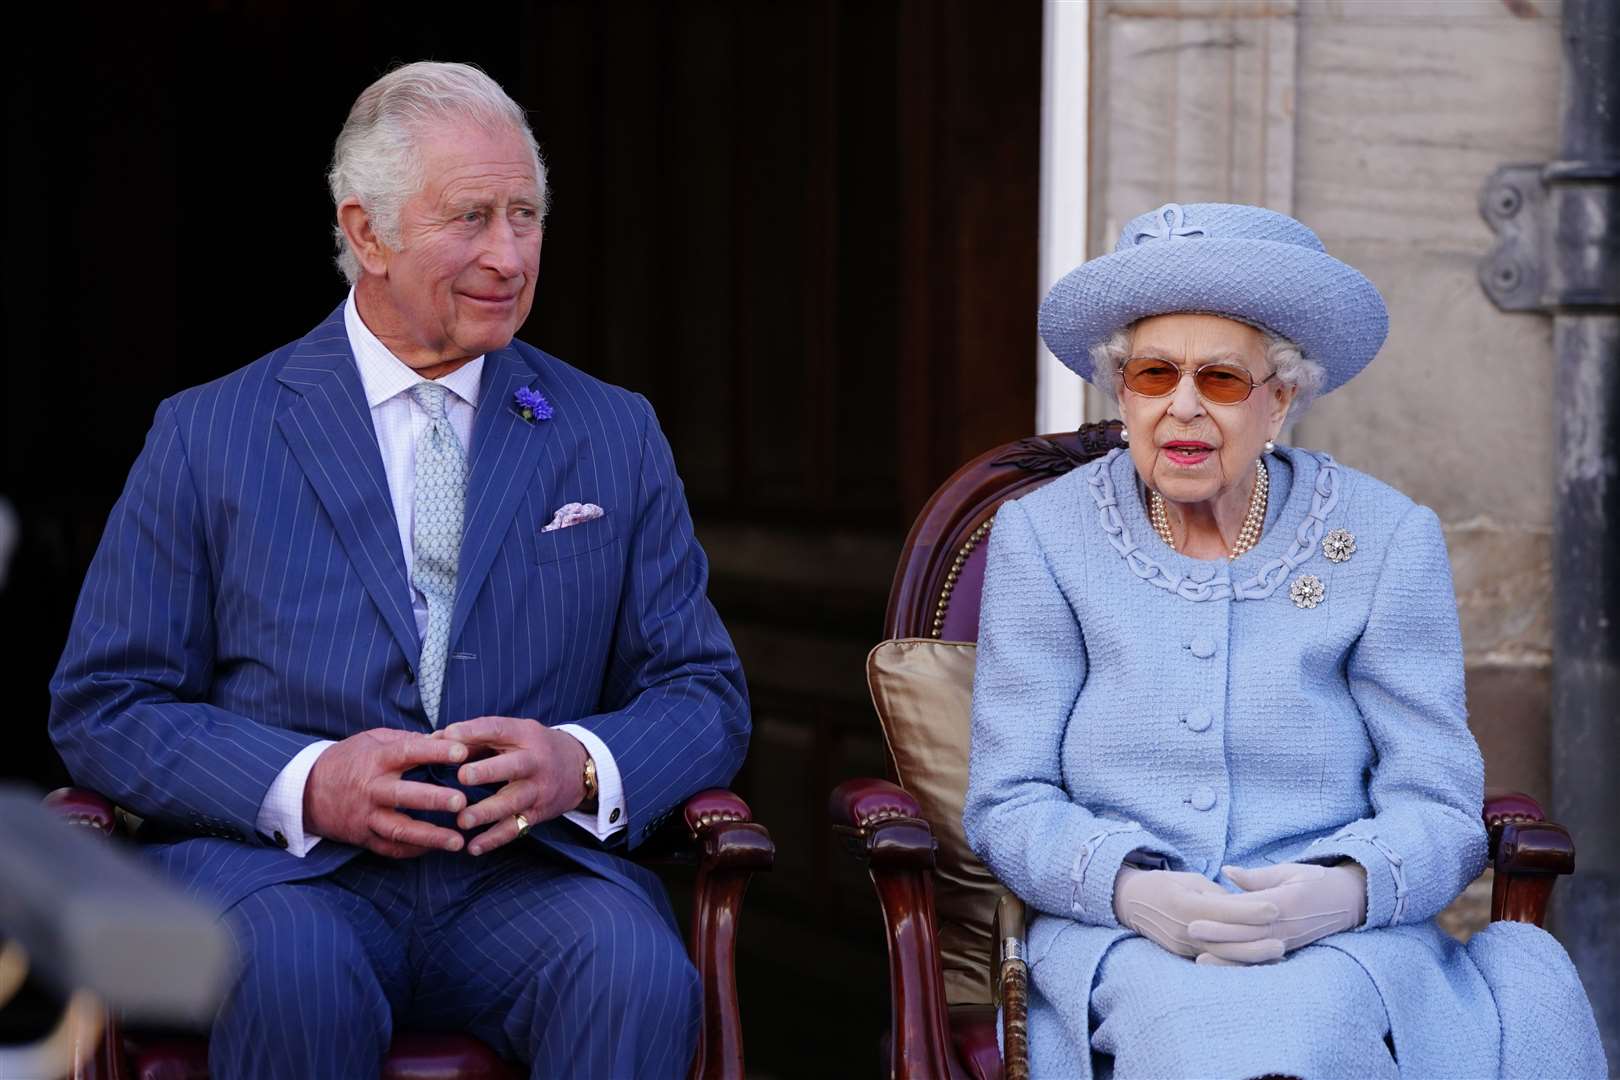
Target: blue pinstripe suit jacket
[(249, 597)]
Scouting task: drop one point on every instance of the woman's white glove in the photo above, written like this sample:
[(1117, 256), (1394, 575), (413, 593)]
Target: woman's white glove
[(1311, 902), (1166, 905)]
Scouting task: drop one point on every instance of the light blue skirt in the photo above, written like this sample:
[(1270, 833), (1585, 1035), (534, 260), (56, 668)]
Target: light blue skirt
[(1378, 1004), (1316, 1014)]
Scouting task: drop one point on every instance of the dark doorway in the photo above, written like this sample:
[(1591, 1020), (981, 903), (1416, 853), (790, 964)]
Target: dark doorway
[(807, 232)]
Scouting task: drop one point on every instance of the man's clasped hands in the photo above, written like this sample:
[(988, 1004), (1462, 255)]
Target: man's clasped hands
[(1280, 909), (356, 792)]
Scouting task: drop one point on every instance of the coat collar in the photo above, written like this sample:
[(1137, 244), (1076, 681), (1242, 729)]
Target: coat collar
[(1289, 541)]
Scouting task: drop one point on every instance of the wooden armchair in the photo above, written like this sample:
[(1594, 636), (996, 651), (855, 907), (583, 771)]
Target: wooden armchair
[(716, 834), (955, 937)]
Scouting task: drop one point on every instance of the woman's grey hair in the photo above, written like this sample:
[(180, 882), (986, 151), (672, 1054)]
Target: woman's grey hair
[(377, 159), (1292, 366)]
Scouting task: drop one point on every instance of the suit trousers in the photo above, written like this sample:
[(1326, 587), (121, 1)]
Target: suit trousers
[(548, 964)]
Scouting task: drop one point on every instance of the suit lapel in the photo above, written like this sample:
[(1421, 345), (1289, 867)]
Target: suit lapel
[(329, 430), (505, 453)]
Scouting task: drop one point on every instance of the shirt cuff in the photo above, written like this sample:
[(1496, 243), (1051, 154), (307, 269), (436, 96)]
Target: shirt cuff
[(281, 815), (610, 816)]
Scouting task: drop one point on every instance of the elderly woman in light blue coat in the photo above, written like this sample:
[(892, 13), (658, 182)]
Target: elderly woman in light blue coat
[(1219, 735)]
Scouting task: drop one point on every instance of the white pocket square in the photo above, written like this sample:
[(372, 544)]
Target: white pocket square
[(573, 514)]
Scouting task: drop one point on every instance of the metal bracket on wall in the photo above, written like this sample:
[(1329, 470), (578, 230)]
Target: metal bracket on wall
[(1558, 236)]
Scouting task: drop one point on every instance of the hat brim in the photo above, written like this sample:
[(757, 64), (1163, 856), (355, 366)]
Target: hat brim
[(1328, 308)]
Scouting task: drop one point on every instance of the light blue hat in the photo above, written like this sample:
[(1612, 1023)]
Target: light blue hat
[(1244, 262)]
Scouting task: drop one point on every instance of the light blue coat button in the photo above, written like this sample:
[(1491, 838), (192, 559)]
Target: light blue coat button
[(1202, 647), (1202, 797), (1200, 719)]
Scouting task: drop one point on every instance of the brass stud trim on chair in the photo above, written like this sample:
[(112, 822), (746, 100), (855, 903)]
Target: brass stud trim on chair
[(954, 574), (879, 815), (1494, 820), (715, 817)]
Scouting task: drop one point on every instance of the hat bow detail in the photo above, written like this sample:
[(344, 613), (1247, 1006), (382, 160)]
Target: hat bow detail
[(1169, 223)]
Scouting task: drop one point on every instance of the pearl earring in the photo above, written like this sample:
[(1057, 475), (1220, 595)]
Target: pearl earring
[(1124, 435), (1270, 446)]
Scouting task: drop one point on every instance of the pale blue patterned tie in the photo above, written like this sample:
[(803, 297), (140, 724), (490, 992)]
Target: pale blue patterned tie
[(441, 497)]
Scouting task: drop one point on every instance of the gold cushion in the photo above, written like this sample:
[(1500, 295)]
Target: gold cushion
[(923, 690)]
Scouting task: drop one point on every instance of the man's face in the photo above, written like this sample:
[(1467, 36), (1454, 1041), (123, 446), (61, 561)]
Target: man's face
[(462, 280)]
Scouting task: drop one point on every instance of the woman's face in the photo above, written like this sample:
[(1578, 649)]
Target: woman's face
[(1189, 449)]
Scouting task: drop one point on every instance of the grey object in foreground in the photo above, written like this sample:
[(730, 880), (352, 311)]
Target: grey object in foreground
[(94, 918)]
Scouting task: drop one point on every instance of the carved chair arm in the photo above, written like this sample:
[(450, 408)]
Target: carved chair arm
[(867, 800), (1542, 847), (683, 836), (1505, 807), (884, 827), (729, 847), (726, 834), (1528, 853), (81, 806)]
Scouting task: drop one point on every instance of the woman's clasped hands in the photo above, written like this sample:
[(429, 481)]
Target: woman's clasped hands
[(1282, 908)]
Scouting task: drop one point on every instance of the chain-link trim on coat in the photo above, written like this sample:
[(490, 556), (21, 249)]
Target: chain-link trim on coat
[(1270, 577)]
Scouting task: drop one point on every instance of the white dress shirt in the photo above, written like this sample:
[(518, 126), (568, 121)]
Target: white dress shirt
[(399, 422)]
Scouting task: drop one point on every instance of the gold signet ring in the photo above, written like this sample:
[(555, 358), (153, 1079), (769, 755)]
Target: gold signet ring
[(523, 823)]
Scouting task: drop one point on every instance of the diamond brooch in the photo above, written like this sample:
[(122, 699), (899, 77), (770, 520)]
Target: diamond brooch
[(1339, 545), (1306, 591)]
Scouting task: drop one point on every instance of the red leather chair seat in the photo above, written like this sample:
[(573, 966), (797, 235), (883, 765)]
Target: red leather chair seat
[(413, 1056)]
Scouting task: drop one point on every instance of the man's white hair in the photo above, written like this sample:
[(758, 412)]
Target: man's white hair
[(1292, 366), (377, 159)]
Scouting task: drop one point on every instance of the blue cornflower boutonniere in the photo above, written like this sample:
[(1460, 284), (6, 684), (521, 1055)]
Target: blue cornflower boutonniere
[(531, 405)]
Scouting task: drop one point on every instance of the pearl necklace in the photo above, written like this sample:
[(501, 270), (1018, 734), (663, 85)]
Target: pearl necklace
[(1253, 521)]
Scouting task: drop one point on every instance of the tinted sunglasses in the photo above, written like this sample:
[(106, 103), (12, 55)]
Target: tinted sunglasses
[(1218, 383)]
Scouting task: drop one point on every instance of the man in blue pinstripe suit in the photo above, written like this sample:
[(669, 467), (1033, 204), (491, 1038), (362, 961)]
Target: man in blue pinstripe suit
[(400, 635)]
